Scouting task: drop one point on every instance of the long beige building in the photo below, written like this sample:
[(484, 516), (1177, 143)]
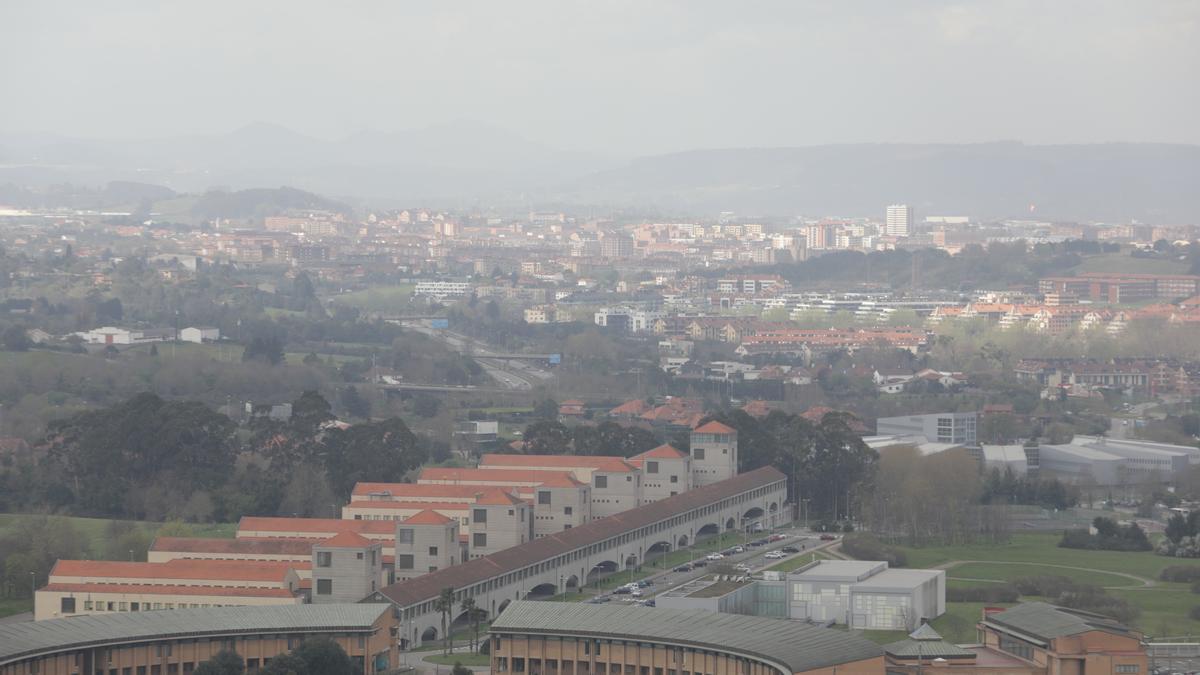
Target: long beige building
[(77, 587)]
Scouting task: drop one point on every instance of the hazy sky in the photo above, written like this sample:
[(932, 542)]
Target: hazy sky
[(634, 77)]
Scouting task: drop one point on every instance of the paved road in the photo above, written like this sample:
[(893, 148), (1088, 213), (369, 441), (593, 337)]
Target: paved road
[(513, 375), (754, 557)]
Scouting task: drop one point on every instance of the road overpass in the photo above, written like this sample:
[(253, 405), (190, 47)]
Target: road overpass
[(572, 558)]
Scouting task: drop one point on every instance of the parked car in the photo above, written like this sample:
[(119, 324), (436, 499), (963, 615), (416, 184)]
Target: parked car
[(775, 555), (621, 590), (645, 583), (759, 542), (777, 537), (742, 567), (738, 549), (700, 563), (637, 592), (790, 549), (714, 556), (828, 537), (686, 567)]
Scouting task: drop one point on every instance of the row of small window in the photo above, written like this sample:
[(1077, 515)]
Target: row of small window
[(67, 606)]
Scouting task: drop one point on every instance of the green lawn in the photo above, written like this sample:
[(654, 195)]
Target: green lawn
[(10, 606), (465, 658), (458, 636), (1043, 548), (1164, 610), (1164, 606), (1005, 572), (381, 299)]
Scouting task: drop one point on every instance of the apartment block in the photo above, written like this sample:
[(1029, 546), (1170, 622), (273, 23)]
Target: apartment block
[(714, 453), (427, 542), (666, 471), (346, 568)]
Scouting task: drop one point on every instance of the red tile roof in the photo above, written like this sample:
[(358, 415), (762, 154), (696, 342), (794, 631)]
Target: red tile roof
[(715, 427), (665, 451), (427, 586), (347, 540), (480, 477), (182, 568), (596, 462), (233, 546), (415, 490), (427, 517), (498, 497), (320, 527), (163, 589), (633, 408), (411, 506)]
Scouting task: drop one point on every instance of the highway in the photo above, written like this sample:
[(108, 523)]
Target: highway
[(509, 374)]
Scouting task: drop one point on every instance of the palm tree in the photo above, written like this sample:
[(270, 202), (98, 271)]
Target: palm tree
[(468, 605), (445, 605)]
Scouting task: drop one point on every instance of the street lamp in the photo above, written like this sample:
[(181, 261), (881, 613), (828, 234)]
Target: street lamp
[(32, 585)]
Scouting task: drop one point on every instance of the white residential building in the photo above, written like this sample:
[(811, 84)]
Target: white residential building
[(899, 220)]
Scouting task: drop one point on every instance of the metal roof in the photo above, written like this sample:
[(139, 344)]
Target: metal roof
[(1046, 622), (786, 644), (22, 640)]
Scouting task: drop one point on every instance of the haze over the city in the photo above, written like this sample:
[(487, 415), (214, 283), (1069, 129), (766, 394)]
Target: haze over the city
[(618, 78)]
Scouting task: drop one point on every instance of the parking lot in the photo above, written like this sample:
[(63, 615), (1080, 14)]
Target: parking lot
[(757, 552)]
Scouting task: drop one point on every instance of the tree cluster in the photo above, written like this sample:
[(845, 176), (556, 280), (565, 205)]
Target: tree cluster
[(1181, 538), (149, 458), (1109, 536), (320, 656)]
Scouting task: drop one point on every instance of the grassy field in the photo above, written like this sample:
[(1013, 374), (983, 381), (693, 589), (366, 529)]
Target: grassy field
[(8, 606), (382, 299), (1042, 548), (465, 658), (1164, 606), (1004, 572), (94, 531)]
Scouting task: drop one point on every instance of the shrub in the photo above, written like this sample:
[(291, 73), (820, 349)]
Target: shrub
[(868, 547), (1180, 573)]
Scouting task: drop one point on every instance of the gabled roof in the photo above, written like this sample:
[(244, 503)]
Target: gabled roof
[(498, 498), (347, 540), (181, 568), (595, 462), (427, 517), (715, 427), (318, 526), (238, 546), (427, 586), (665, 451), (1046, 622), (635, 407)]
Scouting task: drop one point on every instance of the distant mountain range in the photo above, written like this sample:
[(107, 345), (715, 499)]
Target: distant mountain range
[(467, 163)]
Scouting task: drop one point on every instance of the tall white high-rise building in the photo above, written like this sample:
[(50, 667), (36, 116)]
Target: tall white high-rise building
[(899, 220)]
